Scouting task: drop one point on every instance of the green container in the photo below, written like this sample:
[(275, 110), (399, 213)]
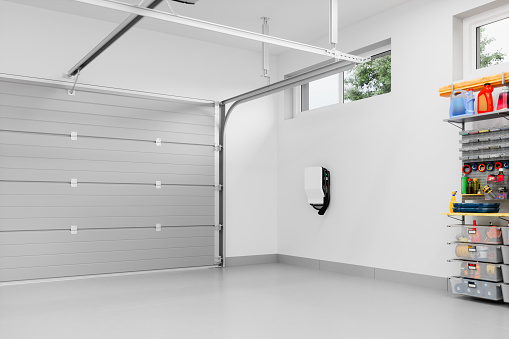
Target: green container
[(464, 185)]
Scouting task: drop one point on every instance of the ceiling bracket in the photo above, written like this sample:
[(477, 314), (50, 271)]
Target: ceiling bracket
[(333, 24), (72, 90), (265, 50)]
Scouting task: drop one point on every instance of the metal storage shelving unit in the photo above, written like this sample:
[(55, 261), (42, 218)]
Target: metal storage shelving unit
[(481, 252)]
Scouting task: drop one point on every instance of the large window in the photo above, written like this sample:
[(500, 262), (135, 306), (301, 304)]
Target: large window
[(486, 43), (492, 43)]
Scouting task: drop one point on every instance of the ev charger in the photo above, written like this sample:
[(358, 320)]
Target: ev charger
[(317, 187)]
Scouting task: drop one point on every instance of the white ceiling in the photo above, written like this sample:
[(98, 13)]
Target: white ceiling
[(298, 20)]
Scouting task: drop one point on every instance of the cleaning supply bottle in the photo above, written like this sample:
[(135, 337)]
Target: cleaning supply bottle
[(457, 107), (464, 185), (485, 99), (503, 98), (477, 236), (477, 186), (470, 189), (469, 102), (500, 176), (453, 201)]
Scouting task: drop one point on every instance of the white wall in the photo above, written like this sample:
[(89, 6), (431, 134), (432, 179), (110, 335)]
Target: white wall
[(393, 161), (42, 43)]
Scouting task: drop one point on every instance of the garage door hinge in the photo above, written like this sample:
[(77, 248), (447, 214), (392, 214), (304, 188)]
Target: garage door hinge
[(218, 187), (218, 227), (218, 148), (218, 260), (74, 229)]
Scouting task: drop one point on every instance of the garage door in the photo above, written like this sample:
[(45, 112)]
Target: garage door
[(103, 183)]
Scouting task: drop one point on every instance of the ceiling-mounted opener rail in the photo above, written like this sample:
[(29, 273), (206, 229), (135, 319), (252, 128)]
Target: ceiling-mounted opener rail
[(148, 11), (126, 25)]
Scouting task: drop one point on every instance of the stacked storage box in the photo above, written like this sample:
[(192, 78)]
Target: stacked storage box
[(482, 257)]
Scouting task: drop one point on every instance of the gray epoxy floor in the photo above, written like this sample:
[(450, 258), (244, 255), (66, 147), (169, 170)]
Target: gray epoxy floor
[(260, 301)]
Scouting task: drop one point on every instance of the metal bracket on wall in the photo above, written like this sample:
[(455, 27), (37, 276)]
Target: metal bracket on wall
[(218, 187), (218, 227), (218, 148), (461, 127), (462, 219), (218, 260)]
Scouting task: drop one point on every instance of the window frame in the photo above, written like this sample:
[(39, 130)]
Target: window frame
[(471, 39)]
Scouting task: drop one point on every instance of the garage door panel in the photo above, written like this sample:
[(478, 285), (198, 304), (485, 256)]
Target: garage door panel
[(51, 237), (51, 189), (102, 131), (52, 248), (30, 139), (103, 268), (63, 223), (63, 117), (34, 261), (151, 106), (128, 115), (35, 152), (102, 166), (103, 177), (97, 200), (100, 211)]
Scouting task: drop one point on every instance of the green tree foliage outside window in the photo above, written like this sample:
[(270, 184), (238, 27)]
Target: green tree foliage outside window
[(368, 79), (487, 58)]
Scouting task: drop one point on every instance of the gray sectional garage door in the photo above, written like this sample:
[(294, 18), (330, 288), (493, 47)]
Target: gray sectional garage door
[(116, 206)]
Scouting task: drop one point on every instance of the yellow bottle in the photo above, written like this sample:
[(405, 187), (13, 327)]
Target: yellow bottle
[(453, 201)]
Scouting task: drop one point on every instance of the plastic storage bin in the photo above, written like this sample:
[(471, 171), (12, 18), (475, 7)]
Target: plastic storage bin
[(505, 273), (505, 235), (479, 270), (505, 253), (505, 292), (481, 234), (479, 252), (475, 288)]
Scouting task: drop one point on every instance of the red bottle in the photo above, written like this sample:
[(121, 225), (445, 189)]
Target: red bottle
[(485, 99), (503, 99)]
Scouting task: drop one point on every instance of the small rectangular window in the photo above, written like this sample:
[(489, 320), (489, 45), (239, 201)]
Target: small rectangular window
[(345, 82), (368, 79), (492, 43), (321, 92)]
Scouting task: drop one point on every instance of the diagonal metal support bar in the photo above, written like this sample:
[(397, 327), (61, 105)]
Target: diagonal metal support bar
[(209, 26), (456, 218), (460, 126), (110, 39)]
